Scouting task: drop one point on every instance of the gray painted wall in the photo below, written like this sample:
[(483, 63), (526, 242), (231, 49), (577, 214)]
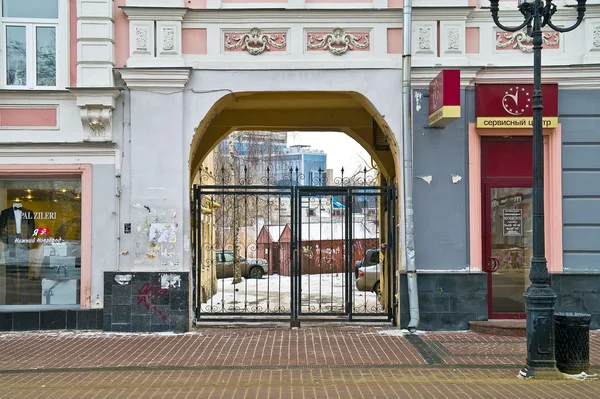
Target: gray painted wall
[(441, 208), (579, 115), (104, 234)]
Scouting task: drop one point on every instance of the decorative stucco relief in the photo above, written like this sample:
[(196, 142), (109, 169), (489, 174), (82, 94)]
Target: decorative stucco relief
[(424, 38), (453, 39), (168, 39), (255, 42), (338, 41), (141, 38), (97, 123), (596, 36), (520, 40)]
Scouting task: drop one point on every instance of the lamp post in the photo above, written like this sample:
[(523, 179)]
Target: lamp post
[(539, 296)]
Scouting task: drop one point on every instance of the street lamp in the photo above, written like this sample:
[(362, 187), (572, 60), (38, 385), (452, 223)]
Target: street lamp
[(539, 295)]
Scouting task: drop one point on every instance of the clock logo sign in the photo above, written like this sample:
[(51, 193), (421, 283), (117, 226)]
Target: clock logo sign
[(436, 94), (516, 101)]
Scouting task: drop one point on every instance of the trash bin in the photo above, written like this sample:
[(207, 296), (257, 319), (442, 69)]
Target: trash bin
[(572, 340)]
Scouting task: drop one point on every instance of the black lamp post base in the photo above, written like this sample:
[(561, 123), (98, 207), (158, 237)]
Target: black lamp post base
[(541, 362), (541, 373)]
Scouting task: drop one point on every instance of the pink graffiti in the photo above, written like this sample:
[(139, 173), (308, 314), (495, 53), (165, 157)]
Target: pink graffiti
[(148, 297)]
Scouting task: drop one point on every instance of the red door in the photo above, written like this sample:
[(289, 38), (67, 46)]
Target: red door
[(507, 176)]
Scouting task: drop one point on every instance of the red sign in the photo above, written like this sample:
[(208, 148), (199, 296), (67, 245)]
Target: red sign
[(444, 98), (510, 105)]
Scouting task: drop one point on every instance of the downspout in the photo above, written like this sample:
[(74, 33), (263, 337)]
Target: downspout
[(407, 155)]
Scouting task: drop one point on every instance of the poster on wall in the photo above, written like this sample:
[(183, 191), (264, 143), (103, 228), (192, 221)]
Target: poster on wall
[(512, 222)]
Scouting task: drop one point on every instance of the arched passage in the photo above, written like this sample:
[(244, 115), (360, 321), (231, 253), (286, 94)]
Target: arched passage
[(358, 241), (347, 112)]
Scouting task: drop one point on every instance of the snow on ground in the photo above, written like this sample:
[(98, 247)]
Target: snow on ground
[(321, 293)]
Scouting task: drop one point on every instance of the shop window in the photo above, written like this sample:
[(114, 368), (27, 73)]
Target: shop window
[(40, 242), (30, 31)]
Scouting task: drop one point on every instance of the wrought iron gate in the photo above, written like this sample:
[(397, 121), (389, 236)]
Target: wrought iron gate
[(282, 249)]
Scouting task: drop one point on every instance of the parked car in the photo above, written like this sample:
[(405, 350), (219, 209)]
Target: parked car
[(368, 278), (249, 267), (371, 258)]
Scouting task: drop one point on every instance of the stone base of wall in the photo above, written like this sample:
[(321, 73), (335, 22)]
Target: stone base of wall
[(51, 320), (146, 302), (447, 301), (578, 293)]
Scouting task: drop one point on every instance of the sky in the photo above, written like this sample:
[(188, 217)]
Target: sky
[(341, 149)]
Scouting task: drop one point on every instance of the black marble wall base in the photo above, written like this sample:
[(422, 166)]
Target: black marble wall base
[(578, 293), (52, 320), (146, 302), (447, 301)]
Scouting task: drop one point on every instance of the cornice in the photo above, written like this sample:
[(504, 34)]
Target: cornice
[(421, 77), (95, 95), (330, 16), (575, 77), (155, 78), (566, 14), (22, 150), (37, 94), (567, 76), (154, 13)]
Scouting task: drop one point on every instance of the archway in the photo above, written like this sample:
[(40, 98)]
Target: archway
[(347, 112)]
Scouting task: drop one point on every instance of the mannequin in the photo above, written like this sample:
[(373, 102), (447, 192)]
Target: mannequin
[(16, 222)]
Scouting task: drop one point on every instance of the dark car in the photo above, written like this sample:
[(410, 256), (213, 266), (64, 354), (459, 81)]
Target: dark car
[(371, 258), (250, 267)]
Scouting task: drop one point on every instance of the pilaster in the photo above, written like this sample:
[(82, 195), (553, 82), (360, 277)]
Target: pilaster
[(95, 43)]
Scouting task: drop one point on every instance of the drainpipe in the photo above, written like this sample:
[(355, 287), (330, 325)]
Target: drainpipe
[(407, 155)]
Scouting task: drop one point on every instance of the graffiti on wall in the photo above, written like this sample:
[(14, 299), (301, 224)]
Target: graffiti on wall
[(148, 296)]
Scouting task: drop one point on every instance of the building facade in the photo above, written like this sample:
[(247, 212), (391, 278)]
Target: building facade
[(110, 108)]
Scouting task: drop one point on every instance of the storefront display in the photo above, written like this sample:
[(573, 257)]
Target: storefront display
[(40, 240)]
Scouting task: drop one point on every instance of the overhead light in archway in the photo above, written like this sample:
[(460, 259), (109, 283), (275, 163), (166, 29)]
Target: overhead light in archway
[(380, 142)]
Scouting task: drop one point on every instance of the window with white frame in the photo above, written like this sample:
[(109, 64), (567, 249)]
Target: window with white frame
[(29, 43)]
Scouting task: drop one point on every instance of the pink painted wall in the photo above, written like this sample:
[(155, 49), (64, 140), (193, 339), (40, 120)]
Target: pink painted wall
[(121, 35), (472, 38), (475, 3), (28, 117), (394, 41), (254, 1), (195, 3), (73, 43), (338, 1), (193, 41), (395, 3)]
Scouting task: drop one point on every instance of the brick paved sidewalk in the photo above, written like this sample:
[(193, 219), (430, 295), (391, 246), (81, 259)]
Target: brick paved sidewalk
[(315, 362)]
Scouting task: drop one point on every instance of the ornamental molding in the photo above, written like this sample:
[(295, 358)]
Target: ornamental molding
[(596, 37), (255, 42), (154, 13), (95, 108), (141, 38), (338, 42), (453, 39), (97, 123), (168, 36), (155, 79), (424, 38), (520, 40)]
